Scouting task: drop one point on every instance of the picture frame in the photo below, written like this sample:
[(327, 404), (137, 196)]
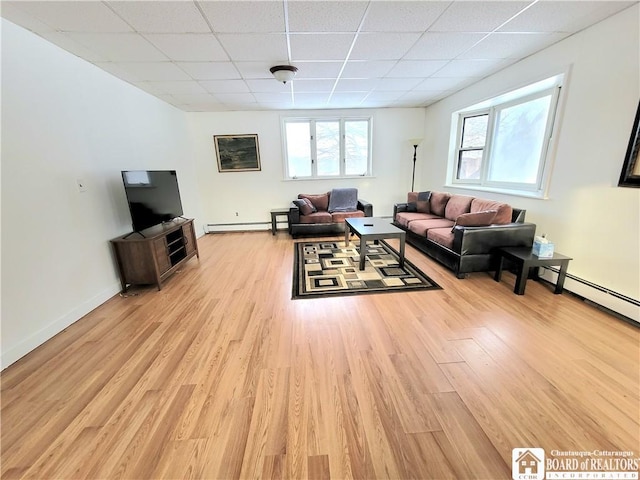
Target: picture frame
[(630, 175), (237, 153)]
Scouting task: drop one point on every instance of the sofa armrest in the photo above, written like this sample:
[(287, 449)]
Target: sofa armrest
[(481, 240), (294, 214), (366, 207), (399, 207)]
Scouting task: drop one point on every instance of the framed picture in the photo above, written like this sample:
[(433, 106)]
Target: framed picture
[(237, 153), (630, 175)]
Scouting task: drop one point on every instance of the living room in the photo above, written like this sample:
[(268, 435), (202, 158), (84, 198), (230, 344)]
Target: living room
[(65, 120)]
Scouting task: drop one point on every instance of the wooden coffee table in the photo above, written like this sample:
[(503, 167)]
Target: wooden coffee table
[(373, 228)]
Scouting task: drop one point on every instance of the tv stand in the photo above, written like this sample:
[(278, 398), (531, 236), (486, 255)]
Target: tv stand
[(152, 259)]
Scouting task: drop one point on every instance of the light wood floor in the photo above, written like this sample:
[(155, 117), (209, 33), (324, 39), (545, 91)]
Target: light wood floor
[(222, 375)]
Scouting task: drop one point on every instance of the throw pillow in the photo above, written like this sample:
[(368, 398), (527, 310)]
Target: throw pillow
[(320, 202), (305, 206), (476, 219), (438, 202)]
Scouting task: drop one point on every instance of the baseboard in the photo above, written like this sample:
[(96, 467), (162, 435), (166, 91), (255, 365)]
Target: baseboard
[(610, 300), (30, 343)]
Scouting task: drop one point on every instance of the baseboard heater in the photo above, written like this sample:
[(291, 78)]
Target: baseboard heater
[(613, 302), (237, 227)]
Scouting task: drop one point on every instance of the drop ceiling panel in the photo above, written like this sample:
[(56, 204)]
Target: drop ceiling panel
[(320, 46), (225, 86), (120, 47), (244, 17), (383, 46), (153, 71), (476, 16), (257, 69), (255, 47), (511, 45), (267, 85), (442, 46), (318, 69), (210, 70), (161, 17), (190, 47), (402, 16), (327, 16), (172, 88), (470, 68), (416, 68), (365, 69)]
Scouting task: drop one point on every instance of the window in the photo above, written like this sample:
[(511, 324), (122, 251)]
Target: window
[(503, 143), (327, 147)]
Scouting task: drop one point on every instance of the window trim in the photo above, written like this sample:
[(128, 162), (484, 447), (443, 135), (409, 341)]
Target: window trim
[(554, 85), (313, 146)]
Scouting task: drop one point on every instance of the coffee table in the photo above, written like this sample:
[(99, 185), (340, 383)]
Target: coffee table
[(373, 228)]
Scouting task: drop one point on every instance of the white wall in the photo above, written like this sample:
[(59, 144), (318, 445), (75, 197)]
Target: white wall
[(64, 119), (253, 194), (586, 215)]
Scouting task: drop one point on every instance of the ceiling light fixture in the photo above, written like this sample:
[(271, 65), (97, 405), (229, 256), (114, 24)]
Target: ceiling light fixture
[(284, 73)]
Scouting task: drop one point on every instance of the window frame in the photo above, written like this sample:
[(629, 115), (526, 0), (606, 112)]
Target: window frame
[(312, 121), (553, 86)]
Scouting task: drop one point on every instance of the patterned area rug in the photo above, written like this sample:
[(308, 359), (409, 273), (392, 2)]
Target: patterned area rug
[(324, 269)]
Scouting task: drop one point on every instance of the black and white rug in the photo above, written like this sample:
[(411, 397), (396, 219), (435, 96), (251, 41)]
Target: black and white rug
[(324, 269)]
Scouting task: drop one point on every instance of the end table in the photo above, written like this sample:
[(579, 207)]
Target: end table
[(275, 213)]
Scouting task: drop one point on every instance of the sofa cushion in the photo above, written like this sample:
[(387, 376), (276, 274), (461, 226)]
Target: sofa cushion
[(343, 200), (316, 217), (404, 218), (420, 227), (476, 219), (305, 206), (438, 202), (456, 206), (338, 217), (441, 236), (320, 201), (504, 211)]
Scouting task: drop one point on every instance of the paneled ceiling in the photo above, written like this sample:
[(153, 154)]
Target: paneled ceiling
[(216, 55)]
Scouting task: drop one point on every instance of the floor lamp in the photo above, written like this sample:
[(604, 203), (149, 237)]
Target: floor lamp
[(415, 142)]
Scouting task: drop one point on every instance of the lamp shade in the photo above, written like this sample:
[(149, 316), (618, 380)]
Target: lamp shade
[(415, 141), (284, 73)]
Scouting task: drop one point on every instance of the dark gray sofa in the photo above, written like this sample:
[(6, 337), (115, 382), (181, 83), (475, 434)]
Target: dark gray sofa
[(459, 231)]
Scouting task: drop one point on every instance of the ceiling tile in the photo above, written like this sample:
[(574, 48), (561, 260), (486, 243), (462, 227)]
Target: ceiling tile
[(563, 16), (442, 83), (351, 99), (119, 47), (307, 86), (476, 16), (244, 17), (269, 48), (256, 69), (416, 68), (325, 16), (382, 46), (393, 84), (64, 41), (469, 68), (442, 46), (171, 88), (235, 98), (266, 85), (161, 17), (318, 69), (320, 46), (225, 86), (153, 71), (364, 69), (13, 12), (511, 45), (402, 16), (76, 16), (356, 85), (188, 47), (311, 100), (210, 70), (191, 98), (274, 97)]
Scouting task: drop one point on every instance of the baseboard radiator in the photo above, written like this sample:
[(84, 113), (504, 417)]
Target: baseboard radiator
[(239, 227), (614, 302)]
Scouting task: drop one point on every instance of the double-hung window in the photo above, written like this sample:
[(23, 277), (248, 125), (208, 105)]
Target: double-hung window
[(503, 144), (327, 147)]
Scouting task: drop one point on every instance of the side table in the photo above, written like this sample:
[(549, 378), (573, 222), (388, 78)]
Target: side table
[(275, 213), (524, 259)]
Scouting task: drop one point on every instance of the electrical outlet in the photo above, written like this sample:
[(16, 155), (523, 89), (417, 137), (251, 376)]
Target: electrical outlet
[(82, 186), (236, 214)]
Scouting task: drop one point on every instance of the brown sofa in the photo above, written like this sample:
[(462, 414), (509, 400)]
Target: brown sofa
[(317, 214), (460, 231)]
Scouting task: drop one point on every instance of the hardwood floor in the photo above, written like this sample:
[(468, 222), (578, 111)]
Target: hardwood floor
[(222, 375)]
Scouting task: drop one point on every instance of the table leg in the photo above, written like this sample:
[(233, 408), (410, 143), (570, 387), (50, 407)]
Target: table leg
[(521, 279), (273, 224), (347, 231), (402, 239), (561, 276), (363, 251), (498, 275)]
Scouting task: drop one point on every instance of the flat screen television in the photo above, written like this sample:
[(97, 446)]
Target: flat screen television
[(153, 196)]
